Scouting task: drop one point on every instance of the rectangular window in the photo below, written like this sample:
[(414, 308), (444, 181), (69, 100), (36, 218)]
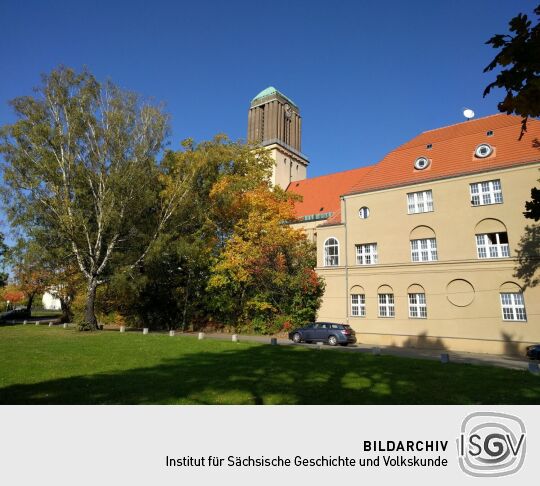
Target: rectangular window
[(417, 306), (424, 250), (420, 202), (358, 305), (386, 305), (513, 307), (492, 245), (366, 254), (488, 192)]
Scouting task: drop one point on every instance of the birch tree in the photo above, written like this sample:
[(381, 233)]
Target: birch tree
[(80, 164)]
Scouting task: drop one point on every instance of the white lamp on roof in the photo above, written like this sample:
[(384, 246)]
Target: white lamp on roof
[(468, 113)]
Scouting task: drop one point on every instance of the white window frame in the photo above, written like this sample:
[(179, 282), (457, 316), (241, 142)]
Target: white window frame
[(358, 305), (387, 306), (485, 249), (486, 192), (420, 202), (513, 306), (424, 250), (366, 254), (417, 306), (329, 259)]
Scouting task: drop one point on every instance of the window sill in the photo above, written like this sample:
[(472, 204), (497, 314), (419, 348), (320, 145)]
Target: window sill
[(423, 212), (482, 205)]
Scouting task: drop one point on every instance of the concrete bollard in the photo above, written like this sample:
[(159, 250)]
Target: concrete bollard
[(145, 330), (533, 367), (24, 323), (37, 323), (445, 358), (234, 338), (319, 344), (122, 328), (376, 351), (201, 335), (65, 325), (171, 333), (50, 324), (273, 341)]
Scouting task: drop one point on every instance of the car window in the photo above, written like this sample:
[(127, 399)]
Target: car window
[(310, 326)]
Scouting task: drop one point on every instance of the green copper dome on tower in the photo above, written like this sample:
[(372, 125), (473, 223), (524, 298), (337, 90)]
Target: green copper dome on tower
[(271, 91)]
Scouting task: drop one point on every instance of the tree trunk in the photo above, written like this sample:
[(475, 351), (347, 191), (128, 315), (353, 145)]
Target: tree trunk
[(29, 304), (67, 314), (186, 300), (90, 320)]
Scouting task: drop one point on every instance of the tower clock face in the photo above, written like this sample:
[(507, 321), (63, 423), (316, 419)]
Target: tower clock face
[(288, 111)]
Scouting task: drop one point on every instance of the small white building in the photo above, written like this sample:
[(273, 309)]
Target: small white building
[(50, 302)]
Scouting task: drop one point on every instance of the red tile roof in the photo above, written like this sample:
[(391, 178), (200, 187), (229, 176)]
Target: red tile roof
[(452, 152), (321, 194)]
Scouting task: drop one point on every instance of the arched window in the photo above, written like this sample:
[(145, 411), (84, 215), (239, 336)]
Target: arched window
[(358, 301), (423, 244), (417, 302), (331, 252), (491, 239), (386, 301), (512, 302)]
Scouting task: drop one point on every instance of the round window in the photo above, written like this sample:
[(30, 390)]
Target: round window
[(421, 163), (483, 150), (363, 212)]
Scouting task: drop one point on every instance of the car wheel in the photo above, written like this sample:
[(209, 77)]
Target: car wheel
[(296, 337), (332, 340)]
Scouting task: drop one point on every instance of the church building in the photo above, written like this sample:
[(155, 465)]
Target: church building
[(421, 248)]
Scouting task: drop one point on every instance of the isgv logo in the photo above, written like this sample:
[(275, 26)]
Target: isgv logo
[(491, 444)]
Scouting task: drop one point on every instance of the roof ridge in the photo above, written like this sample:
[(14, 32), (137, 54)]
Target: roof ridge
[(332, 174), (469, 121), (409, 145)]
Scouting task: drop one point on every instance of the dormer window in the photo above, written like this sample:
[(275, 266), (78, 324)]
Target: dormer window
[(483, 150), (489, 133), (429, 146), (421, 163)]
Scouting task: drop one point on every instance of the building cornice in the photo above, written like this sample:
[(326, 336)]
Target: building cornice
[(499, 168)]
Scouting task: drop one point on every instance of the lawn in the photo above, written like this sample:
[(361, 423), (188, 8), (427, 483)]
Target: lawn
[(42, 365)]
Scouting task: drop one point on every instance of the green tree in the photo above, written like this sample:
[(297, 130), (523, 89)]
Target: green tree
[(170, 289), (80, 165), (519, 62)]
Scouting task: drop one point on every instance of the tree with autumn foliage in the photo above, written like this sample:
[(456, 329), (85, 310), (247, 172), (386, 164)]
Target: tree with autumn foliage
[(169, 290), (11, 296), (29, 273), (264, 280)]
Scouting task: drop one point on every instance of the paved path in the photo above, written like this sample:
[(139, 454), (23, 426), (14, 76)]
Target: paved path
[(511, 362)]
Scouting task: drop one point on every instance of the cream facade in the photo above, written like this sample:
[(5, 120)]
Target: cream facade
[(419, 249), (462, 292)]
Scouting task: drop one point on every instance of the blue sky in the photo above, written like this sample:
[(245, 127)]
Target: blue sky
[(366, 75)]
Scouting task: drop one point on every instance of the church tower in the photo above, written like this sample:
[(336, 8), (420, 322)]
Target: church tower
[(274, 121)]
